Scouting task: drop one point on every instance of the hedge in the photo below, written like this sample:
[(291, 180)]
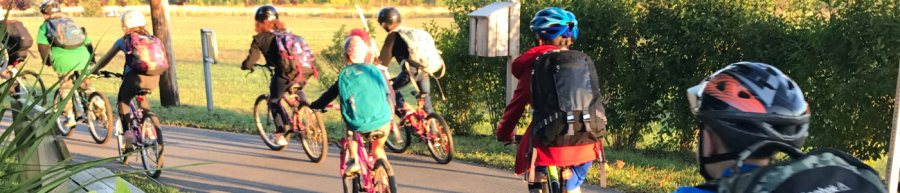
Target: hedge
[(843, 54)]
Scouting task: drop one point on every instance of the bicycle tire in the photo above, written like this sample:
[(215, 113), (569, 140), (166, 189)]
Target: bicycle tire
[(37, 91), (152, 149), (60, 121), (405, 134), (120, 141), (383, 167), (445, 136), (316, 138), (261, 107), (96, 133)]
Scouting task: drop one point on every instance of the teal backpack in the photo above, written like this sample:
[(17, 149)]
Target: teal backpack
[(364, 102)]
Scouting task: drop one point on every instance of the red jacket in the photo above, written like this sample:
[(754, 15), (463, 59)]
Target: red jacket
[(546, 156)]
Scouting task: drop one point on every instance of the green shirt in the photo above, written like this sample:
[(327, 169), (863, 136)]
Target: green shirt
[(65, 60)]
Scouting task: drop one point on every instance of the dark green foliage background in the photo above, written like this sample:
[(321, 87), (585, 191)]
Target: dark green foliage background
[(843, 54)]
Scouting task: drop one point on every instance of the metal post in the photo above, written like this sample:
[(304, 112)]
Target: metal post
[(205, 44), (893, 164)]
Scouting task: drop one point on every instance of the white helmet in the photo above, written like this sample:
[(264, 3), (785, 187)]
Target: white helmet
[(132, 18)]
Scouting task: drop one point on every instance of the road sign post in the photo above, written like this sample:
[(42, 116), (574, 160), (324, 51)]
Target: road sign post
[(893, 164), (210, 53)]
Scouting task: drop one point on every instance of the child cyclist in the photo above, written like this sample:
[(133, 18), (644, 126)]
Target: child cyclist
[(68, 58), (555, 29), (364, 94), (136, 77), (287, 74)]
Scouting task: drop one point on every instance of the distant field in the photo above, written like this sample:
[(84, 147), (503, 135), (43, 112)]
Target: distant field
[(232, 90), (301, 10)]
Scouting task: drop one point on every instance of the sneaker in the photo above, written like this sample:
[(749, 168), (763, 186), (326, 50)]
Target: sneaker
[(129, 141), (70, 120), (277, 138), (351, 167)]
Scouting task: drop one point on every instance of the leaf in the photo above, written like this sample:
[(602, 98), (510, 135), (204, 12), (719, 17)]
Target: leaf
[(121, 186)]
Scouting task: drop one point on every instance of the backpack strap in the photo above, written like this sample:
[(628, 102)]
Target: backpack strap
[(710, 185)]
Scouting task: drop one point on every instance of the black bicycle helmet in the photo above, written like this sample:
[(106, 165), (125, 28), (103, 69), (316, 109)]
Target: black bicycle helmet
[(50, 7), (746, 103), (266, 13), (389, 15)]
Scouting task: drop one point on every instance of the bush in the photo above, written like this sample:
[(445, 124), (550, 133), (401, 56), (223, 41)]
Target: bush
[(92, 8), (842, 53)]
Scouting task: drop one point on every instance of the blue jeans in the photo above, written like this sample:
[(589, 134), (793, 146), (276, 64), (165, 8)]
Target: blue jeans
[(422, 80)]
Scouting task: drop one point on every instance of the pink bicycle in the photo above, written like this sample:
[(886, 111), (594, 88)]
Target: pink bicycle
[(374, 175), (304, 122)]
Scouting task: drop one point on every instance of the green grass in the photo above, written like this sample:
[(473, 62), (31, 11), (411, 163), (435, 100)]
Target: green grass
[(149, 185)]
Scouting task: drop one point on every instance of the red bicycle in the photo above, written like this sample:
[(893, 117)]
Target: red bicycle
[(305, 122), (430, 127)]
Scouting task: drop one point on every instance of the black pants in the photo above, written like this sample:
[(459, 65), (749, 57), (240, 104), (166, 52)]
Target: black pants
[(131, 83), (422, 80), (277, 88)]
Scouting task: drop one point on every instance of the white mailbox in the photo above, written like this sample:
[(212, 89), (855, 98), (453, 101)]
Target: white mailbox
[(489, 30)]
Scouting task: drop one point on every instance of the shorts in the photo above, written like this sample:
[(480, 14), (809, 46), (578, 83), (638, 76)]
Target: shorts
[(579, 172), (386, 129)]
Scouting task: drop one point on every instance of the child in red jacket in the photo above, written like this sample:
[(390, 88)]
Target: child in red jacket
[(556, 29)]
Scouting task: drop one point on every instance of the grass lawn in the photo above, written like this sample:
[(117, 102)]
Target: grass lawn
[(149, 185)]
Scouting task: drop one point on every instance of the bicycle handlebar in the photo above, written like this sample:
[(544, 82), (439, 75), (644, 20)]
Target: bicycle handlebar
[(108, 74)]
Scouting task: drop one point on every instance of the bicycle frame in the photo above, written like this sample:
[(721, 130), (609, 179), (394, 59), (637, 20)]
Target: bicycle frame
[(136, 116), (367, 162), (419, 123)]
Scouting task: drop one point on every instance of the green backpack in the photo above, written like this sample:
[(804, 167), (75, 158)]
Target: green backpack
[(819, 171), (364, 102)]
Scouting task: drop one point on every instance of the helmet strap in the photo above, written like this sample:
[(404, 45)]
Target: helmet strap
[(715, 158)]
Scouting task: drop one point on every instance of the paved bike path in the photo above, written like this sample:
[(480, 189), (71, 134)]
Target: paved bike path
[(242, 163)]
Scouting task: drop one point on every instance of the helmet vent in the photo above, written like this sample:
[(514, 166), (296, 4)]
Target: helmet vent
[(771, 71), (743, 94), (721, 86)]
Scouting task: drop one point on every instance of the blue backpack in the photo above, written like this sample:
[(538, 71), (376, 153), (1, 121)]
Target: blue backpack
[(62, 32), (364, 102)]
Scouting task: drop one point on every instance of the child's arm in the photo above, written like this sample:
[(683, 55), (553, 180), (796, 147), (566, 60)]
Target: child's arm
[(326, 97)]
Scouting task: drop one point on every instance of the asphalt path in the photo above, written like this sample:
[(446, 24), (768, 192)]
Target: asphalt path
[(242, 163)]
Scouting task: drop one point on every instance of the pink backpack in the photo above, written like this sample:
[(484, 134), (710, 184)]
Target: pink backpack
[(293, 47), (148, 56)]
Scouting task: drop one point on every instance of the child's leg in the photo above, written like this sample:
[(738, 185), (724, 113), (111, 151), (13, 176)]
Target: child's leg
[(130, 86), (378, 145), (65, 86), (352, 145), (277, 88)]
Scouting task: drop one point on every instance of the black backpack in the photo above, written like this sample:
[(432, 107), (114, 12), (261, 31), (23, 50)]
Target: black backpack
[(820, 170), (19, 40), (565, 95)]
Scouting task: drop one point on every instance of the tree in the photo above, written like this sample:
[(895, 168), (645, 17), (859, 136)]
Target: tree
[(92, 8), (122, 3), (69, 3)]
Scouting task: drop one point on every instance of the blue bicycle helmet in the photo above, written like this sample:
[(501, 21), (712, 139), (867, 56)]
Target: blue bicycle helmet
[(553, 22)]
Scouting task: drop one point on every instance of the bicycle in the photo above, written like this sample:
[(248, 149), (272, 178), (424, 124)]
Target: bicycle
[(27, 82), (553, 178), (438, 135), (90, 107), (147, 134), (304, 122), (372, 173)]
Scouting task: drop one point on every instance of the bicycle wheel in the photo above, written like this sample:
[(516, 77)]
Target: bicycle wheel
[(120, 141), (441, 142), (265, 124), (152, 152), (61, 120), (399, 144), (315, 141), (33, 85), (383, 177), (100, 117)]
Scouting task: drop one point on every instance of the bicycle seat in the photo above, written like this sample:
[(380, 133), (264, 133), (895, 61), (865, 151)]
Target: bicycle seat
[(143, 92), (375, 135)]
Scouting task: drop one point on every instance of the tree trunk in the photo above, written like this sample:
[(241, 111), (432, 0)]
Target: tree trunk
[(168, 85)]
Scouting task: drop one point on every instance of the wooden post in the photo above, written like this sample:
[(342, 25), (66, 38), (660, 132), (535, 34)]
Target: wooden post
[(168, 85), (511, 81), (893, 164)]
